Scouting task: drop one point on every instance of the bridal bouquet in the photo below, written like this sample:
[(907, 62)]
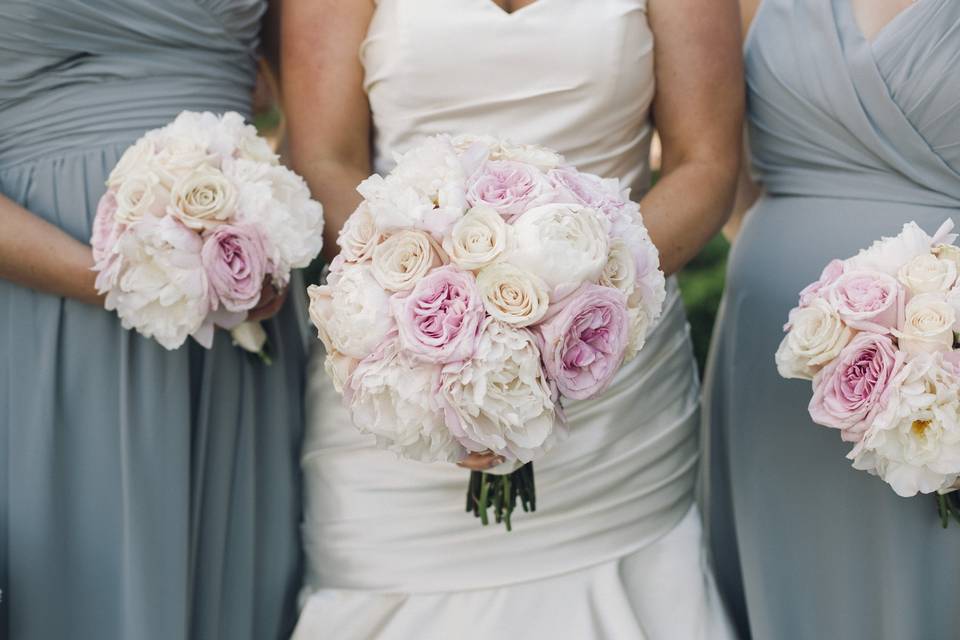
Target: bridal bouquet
[(477, 285), (196, 217), (877, 335)]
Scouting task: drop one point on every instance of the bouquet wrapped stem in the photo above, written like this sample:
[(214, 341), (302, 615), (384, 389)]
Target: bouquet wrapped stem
[(948, 506), (502, 493)]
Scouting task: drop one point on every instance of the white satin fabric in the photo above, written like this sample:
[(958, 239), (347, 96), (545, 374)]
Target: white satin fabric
[(614, 550)]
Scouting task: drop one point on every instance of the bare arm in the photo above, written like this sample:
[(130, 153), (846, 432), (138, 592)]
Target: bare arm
[(748, 191), (698, 111), (36, 254), (328, 116)]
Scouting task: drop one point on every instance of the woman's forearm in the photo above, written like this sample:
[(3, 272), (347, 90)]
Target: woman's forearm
[(687, 207), (335, 185), (38, 255)]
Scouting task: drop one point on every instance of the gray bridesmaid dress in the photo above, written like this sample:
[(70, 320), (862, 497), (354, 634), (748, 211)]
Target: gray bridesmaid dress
[(851, 139), (144, 494)]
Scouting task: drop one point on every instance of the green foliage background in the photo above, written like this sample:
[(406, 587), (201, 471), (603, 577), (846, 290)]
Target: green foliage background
[(701, 285)]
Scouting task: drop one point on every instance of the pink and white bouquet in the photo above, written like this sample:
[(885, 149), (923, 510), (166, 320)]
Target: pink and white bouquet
[(877, 335), (477, 285), (197, 216)]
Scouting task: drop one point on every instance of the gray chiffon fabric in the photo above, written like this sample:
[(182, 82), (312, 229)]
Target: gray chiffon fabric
[(144, 494), (851, 139)]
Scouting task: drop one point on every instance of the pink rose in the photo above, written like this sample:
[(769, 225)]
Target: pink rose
[(511, 188), (583, 340), (236, 262), (604, 195), (850, 390), (439, 319), (829, 275), (867, 300)]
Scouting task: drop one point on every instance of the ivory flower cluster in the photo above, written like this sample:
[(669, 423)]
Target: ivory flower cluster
[(197, 216), (877, 335), (477, 285)]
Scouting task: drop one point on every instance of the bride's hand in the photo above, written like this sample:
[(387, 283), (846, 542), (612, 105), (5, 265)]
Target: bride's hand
[(481, 461), (270, 303)]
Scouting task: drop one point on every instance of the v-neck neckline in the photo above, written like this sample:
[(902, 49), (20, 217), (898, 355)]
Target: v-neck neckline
[(516, 12), (902, 15)]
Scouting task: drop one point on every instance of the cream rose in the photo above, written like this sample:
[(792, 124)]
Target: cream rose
[(135, 160), (359, 236), (178, 157), (566, 245), (620, 272), (401, 260), (203, 199), (140, 194), (927, 273), (816, 336), (477, 239), (512, 295), (249, 336), (928, 324)]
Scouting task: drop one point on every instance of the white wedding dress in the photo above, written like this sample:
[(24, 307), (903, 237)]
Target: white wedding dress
[(614, 550)]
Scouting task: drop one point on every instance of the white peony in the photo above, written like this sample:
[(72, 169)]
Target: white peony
[(816, 336), (928, 324), (426, 190), (927, 273), (395, 401), (948, 252), (640, 325), (203, 198), (565, 245), (278, 201), (513, 295), (888, 255), (914, 443), (339, 368), (140, 195), (400, 261), (498, 149), (499, 400), (162, 291), (351, 312), (477, 239), (359, 236)]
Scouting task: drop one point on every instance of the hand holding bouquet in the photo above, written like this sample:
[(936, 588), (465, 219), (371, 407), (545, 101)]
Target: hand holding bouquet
[(477, 285), (197, 217), (877, 335)]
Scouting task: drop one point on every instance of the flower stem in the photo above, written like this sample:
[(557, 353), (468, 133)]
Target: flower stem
[(502, 492)]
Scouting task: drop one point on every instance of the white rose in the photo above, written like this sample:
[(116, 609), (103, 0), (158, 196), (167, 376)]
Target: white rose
[(359, 236), (620, 271), (140, 195), (566, 245), (426, 190), (351, 312), (203, 199), (249, 336), (816, 336), (162, 291), (137, 159), (477, 239), (914, 442), (394, 400), (400, 261), (887, 255), (928, 324), (512, 295), (927, 273), (499, 400)]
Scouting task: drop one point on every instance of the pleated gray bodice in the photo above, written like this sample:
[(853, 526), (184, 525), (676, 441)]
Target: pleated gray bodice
[(834, 115), (77, 74)]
